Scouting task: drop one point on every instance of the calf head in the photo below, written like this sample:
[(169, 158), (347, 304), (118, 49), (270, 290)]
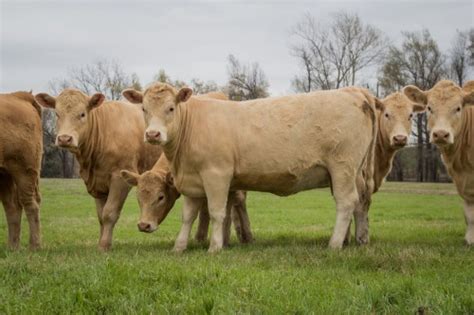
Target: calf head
[(156, 196), (444, 104), (396, 119), (160, 106), (72, 109)]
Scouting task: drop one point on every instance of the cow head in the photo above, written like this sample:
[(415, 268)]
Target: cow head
[(160, 106), (396, 119), (444, 104), (72, 109), (156, 196)]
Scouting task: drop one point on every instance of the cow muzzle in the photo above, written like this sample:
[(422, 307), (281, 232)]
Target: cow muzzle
[(153, 136), (399, 141), (147, 227), (441, 137), (64, 141)]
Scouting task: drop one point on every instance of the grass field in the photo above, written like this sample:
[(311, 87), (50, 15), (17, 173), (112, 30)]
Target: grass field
[(416, 262)]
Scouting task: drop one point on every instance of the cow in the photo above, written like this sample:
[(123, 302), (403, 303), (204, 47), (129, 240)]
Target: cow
[(157, 195), (105, 137), (21, 148), (451, 124), (280, 145), (394, 118)]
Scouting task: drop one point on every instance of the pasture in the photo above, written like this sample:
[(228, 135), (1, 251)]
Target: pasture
[(416, 262)]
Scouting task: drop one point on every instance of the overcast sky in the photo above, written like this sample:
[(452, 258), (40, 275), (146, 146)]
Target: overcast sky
[(41, 40)]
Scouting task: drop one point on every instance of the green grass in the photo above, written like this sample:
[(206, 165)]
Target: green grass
[(416, 260)]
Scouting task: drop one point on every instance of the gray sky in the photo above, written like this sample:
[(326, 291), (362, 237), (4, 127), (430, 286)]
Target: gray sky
[(41, 40)]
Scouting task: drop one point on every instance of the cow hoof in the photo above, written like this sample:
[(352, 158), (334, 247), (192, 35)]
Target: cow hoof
[(178, 250), (362, 241), (214, 250), (104, 248), (335, 245), (35, 247), (469, 241)]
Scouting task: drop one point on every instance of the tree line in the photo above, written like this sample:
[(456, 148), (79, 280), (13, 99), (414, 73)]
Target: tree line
[(344, 51)]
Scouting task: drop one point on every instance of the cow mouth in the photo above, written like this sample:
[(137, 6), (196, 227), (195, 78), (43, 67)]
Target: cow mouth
[(153, 141), (441, 142)]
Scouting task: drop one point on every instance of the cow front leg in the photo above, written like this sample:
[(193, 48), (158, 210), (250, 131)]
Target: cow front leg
[(203, 227), (217, 191), (99, 204), (469, 216), (191, 207), (118, 192), (347, 198)]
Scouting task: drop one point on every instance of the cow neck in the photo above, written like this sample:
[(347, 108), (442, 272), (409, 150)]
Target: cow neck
[(384, 154), (89, 147), (457, 154), (178, 135)]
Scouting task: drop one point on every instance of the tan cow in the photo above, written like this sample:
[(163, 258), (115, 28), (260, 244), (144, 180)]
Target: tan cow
[(281, 145), (105, 137), (157, 195), (451, 124), (21, 147), (394, 120)]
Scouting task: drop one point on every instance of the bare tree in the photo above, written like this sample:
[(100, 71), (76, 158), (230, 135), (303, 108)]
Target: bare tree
[(459, 57), (198, 86), (246, 81), (332, 55), (420, 62), (103, 76)]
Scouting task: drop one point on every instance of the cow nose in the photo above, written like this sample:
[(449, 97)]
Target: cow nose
[(153, 135), (144, 227), (440, 135), (400, 140), (64, 139)]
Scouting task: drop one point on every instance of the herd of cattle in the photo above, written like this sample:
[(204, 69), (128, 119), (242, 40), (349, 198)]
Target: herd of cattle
[(168, 142)]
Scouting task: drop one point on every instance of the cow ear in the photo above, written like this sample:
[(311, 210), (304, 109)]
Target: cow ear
[(95, 101), (418, 108), (183, 95), (468, 87), (415, 95), (468, 99), (169, 179), (46, 100), (133, 96), (130, 178), (379, 105)]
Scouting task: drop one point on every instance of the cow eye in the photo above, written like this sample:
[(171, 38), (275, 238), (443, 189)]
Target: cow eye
[(386, 115), (143, 109), (411, 116), (83, 115), (171, 109), (161, 198), (429, 109), (458, 109)]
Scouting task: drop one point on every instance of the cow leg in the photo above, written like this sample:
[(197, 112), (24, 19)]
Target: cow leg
[(217, 191), (361, 215), (227, 221), (347, 239), (241, 219), (469, 216), (118, 192), (203, 227), (191, 207), (346, 197), (99, 204), (28, 197), (13, 212)]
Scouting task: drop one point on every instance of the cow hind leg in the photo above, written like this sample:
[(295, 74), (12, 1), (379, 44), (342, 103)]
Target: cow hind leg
[(203, 226), (346, 197), (13, 212), (118, 192), (191, 208), (241, 219), (227, 223), (469, 216), (28, 197), (361, 215)]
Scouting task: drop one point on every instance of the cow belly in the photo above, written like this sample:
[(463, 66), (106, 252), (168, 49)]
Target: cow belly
[(283, 183)]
